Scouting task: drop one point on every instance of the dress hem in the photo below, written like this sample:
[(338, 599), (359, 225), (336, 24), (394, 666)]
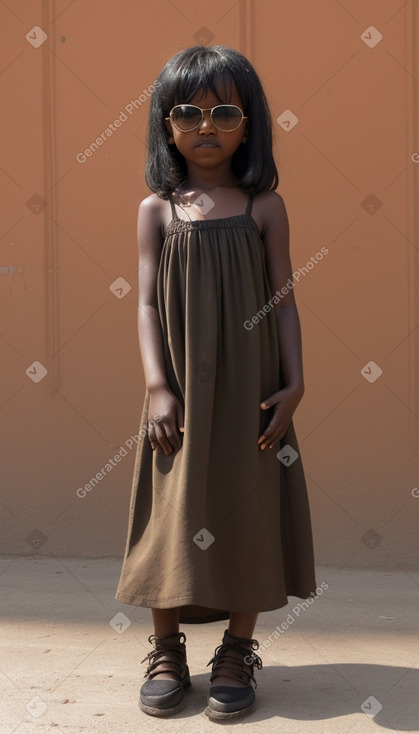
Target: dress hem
[(190, 601)]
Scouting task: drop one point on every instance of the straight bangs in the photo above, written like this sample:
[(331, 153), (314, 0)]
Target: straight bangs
[(203, 78)]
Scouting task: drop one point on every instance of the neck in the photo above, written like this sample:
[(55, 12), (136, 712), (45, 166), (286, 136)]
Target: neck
[(208, 180)]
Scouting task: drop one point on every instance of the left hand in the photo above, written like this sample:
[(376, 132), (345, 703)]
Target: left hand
[(285, 401)]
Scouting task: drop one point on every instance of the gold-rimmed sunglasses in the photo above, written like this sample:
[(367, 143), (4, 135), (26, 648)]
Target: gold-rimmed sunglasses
[(187, 117)]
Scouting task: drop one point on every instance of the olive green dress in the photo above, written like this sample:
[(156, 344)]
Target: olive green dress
[(218, 525)]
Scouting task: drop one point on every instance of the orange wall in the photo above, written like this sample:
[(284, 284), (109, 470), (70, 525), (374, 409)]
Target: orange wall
[(348, 174)]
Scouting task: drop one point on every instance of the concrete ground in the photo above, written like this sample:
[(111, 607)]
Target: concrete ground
[(70, 655)]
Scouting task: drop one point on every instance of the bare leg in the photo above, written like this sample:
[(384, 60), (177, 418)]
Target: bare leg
[(166, 622), (240, 625)]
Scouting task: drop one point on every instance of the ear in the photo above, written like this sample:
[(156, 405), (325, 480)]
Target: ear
[(169, 130)]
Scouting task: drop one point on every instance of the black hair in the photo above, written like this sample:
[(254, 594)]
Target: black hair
[(199, 68)]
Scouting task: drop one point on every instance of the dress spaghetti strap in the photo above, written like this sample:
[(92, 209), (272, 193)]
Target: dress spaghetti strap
[(174, 213), (249, 204)]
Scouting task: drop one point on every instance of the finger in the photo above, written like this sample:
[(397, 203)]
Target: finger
[(270, 400), (172, 443), (267, 442), (271, 444), (270, 434), (152, 437), (169, 438), (180, 419), (161, 438), (172, 431), (173, 439), (275, 436), (266, 435)]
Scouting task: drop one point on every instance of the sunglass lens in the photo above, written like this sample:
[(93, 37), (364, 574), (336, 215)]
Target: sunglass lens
[(227, 117), (186, 117)]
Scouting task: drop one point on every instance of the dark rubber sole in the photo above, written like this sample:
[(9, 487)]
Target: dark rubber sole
[(162, 712), (216, 715), (169, 710)]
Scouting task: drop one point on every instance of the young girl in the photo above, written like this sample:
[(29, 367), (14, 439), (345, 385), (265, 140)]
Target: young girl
[(219, 522)]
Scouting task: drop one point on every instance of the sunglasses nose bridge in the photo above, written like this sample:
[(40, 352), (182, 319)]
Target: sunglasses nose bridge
[(206, 119)]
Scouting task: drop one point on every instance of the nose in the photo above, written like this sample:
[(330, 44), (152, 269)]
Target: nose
[(206, 123)]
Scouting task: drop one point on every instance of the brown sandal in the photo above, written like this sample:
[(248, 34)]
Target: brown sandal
[(165, 697), (226, 702)]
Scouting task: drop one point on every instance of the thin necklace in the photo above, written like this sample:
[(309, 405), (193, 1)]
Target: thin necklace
[(204, 191), (185, 203)]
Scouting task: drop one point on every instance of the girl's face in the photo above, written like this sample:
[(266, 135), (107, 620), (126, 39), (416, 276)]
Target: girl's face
[(190, 144)]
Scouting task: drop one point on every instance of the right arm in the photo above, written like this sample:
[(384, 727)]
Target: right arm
[(162, 400)]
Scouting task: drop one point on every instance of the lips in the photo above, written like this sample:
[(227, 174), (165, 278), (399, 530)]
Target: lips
[(206, 145)]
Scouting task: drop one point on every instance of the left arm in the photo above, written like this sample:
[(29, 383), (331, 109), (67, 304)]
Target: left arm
[(276, 238)]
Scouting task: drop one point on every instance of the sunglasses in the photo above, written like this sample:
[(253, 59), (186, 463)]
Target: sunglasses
[(186, 117)]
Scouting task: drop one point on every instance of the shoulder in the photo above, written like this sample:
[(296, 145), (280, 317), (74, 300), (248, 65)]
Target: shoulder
[(150, 224), (271, 210), (151, 205), (151, 212)]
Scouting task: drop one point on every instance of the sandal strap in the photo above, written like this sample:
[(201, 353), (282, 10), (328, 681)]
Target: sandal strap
[(171, 647), (235, 666)]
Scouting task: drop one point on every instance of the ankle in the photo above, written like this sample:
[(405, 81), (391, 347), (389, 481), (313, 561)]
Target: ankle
[(242, 633), (166, 621), (165, 631)]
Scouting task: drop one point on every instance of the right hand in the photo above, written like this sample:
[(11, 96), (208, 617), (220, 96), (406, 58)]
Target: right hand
[(165, 433)]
